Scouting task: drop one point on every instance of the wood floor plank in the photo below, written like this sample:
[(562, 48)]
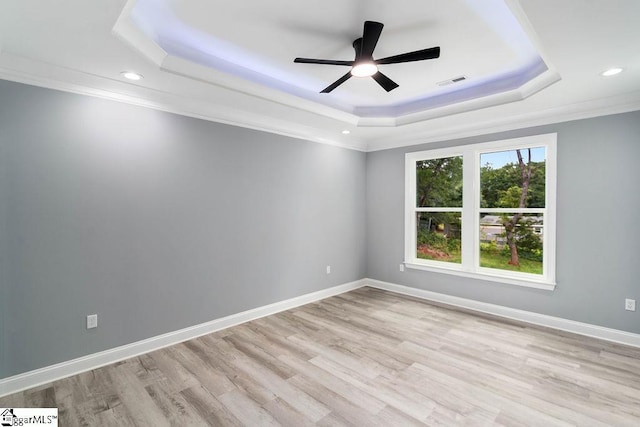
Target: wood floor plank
[(253, 350), (516, 404), (298, 399), (208, 408), (417, 410), (209, 376), (173, 405), (140, 407), (347, 391), (246, 410), (113, 417), (241, 381), (363, 358), (287, 415), (178, 376)]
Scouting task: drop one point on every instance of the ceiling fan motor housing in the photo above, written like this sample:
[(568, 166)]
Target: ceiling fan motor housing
[(364, 65)]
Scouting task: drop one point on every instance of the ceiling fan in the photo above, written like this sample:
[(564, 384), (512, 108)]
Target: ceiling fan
[(364, 65)]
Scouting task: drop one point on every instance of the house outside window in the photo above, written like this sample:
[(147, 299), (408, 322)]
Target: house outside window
[(484, 210)]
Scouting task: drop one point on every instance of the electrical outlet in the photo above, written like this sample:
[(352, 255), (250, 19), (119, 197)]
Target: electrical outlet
[(328, 269), (401, 267), (630, 304), (92, 321)]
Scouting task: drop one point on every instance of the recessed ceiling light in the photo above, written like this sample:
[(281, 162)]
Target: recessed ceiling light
[(364, 69), (131, 75), (346, 132), (611, 72)]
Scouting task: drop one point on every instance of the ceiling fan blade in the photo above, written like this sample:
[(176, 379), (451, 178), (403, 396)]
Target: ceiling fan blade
[(322, 61), (418, 55), (384, 81), (337, 83), (370, 36)]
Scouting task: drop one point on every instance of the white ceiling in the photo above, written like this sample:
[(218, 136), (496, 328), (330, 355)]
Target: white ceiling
[(526, 62)]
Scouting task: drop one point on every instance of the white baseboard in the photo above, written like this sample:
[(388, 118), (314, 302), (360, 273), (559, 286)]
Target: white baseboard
[(586, 329), (72, 367), (55, 372)]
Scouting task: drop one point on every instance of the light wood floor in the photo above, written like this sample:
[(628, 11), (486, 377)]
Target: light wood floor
[(365, 358)]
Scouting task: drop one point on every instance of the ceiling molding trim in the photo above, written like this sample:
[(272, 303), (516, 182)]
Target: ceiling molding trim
[(527, 27), (132, 36), (77, 82), (192, 70), (463, 107), (194, 65), (480, 89), (579, 111), (541, 82), (529, 88)]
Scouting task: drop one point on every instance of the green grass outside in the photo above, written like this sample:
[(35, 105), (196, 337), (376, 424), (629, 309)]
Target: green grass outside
[(500, 261), (490, 259)]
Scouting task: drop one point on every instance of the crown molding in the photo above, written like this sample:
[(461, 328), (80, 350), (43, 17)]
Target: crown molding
[(134, 37), (191, 70), (36, 73), (577, 111)]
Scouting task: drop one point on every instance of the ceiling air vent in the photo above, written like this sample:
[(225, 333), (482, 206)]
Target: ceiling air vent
[(451, 81)]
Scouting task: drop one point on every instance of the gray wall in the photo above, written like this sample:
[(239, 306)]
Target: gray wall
[(157, 222), (4, 252), (598, 225)]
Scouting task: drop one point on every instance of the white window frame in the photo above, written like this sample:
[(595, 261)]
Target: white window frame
[(470, 266)]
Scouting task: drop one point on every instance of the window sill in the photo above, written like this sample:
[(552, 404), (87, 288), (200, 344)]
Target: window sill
[(536, 284)]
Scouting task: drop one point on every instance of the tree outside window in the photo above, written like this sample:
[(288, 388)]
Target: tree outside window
[(514, 243)]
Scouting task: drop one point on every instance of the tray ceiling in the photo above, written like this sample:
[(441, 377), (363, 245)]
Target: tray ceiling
[(525, 62)]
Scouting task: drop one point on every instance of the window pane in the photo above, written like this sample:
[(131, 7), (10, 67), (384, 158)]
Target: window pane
[(439, 236), (439, 182), (512, 242), (504, 175)]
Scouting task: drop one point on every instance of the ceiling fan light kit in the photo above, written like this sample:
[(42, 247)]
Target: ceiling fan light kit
[(364, 69), (364, 65)]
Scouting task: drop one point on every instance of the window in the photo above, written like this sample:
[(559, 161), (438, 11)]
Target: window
[(484, 210), (439, 208)]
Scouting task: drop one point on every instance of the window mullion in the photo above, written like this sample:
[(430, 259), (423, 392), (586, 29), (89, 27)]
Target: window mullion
[(470, 174), (428, 209), (410, 212)]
